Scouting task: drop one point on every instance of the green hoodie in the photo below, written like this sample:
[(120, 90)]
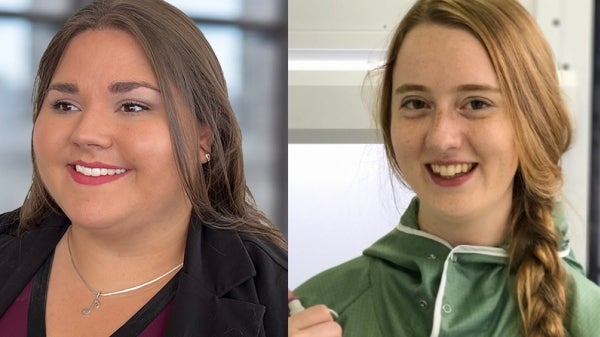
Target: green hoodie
[(413, 284)]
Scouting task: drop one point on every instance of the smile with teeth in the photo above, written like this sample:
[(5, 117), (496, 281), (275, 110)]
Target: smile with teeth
[(451, 171), (98, 172)]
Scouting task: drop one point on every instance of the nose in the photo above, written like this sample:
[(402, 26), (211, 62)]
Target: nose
[(93, 130), (446, 131)]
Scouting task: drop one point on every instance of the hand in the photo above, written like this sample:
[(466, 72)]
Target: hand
[(315, 321)]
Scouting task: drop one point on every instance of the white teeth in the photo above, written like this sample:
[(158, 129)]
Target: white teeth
[(97, 172), (450, 171)]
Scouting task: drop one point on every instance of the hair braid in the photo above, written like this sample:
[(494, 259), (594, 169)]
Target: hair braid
[(540, 275)]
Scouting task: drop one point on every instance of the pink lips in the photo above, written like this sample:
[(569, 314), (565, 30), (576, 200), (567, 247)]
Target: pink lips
[(94, 180)]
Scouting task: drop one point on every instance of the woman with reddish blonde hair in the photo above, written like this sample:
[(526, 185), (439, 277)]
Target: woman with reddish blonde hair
[(473, 121)]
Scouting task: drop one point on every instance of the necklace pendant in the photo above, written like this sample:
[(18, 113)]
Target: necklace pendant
[(94, 305)]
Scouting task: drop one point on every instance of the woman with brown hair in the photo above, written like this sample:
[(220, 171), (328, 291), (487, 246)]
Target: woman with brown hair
[(138, 220), (473, 121)]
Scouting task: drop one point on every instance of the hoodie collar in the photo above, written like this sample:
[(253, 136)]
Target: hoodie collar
[(407, 244)]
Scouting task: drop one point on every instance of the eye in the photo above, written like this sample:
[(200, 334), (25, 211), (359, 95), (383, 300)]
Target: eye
[(133, 107), (414, 104), (477, 104), (62, 106)]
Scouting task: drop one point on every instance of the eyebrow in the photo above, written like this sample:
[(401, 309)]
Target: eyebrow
[(123, 87), (67, 88), (409, 87), (115, 88), (461, 88), (477, 87)]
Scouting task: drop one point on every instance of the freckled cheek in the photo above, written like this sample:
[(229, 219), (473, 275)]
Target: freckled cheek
[(406, 150), (405, 142), (513, 160), (510, 150), (496, 151), (499, 140)]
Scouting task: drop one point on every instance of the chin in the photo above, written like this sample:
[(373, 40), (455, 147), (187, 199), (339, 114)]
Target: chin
[(92, 218)]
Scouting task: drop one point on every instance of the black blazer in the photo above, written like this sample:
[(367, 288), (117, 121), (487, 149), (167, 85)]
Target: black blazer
[(232, 284)]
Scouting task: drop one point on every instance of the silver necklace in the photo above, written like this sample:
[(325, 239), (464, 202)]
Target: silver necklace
[(97, 293)]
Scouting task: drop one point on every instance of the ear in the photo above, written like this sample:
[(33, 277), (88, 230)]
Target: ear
[(206, 139)]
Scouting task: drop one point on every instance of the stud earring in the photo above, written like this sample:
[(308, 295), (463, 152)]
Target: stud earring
[(207, 156)]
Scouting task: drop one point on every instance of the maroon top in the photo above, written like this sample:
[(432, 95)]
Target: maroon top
[(14, 321), (158, 326)]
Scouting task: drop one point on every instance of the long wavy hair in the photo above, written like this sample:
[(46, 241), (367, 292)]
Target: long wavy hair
[(185, 65), (527, 76)]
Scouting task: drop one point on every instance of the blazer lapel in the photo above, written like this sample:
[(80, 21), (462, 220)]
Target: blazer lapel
[(216, 262), (24, 254)]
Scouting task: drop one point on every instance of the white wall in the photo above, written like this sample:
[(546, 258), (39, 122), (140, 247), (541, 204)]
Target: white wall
[(340, 197), (341, 200)]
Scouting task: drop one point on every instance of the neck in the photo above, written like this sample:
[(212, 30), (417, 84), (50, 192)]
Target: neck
[(120, 243), (118, 258), (486, 228)]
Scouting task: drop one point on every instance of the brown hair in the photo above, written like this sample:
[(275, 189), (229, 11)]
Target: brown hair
[(528, 81), (185, 66)]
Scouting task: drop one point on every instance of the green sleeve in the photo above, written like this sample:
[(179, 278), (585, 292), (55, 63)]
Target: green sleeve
[(346, 290)]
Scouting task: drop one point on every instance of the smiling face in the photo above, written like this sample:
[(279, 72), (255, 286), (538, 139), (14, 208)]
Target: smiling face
[(450, 130), (101, 141)]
